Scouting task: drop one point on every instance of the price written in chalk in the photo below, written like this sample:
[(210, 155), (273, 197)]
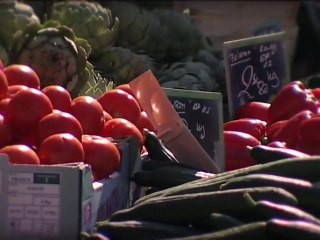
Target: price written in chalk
[(201, 112), (256, 69), (198, 127)]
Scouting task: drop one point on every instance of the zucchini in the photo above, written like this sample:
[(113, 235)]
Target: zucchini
[(249, 231), (184, 208), (165, 177), (270, 210), (142, 230), (292, 230), (301, 168), (306, 194), (260, 179), (264, 154), (216, 221)]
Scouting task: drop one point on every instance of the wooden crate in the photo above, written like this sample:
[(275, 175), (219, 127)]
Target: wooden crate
[(230, 20)]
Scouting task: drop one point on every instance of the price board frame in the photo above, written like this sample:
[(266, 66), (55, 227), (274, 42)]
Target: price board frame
[(253, 43), (217, 123)]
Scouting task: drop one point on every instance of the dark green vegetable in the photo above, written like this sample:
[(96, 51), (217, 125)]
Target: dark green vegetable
[(142, 230), (269, 210), (249, 231), (290, 167), (186, 207), (264, 154), (292, 230)]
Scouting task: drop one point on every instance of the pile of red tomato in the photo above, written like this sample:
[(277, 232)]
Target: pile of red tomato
[(48, 126)]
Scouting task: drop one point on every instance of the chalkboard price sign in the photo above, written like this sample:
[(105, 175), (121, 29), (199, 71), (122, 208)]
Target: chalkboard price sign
[(202, 114), (256, 69)]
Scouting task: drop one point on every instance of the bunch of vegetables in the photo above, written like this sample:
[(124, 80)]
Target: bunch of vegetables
[(119, 39), (47, 126), (275, 200), (286, 127)]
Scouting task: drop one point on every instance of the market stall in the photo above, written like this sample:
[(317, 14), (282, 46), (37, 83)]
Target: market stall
[(158, 120)]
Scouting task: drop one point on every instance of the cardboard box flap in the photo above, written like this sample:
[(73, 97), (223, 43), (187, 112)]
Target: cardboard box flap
[(168, 124)]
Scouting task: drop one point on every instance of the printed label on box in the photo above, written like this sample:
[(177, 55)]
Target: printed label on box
[(34, 202)]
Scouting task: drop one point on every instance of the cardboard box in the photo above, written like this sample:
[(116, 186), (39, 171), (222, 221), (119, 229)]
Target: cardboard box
[(58, 202)]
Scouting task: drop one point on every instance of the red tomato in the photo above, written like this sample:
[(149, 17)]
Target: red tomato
[(125, 87), (316, 92), (25, 110), (121, 128), (120, 104), (13, 89), (29, 140), (19, 74), (89, 113), (144, 122), (3, 85), (106, 116), (102, 154), (1, 65), (61, 148), (58, 122), (3, 104), (5, 133), (20, 154), (59, 97)]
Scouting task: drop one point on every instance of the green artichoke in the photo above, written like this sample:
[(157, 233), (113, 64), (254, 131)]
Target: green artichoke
[(4, 55), (188, 75), (135, 24), (165, 35), (88, 20), (14, 16), (121, 64), (214, 61), (96, 85), (55, 53)]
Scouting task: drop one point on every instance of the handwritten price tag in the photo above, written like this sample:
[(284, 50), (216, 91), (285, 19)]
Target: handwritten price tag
[(256, 69), (201, 112)]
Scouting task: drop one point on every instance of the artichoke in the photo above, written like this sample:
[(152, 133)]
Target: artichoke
[(165, 35), (14, 16), (55, 53), (204, 71), (4, 55), (187, 75), (88, 20), (135, 24), (121, 64), (96, 85), (215, 62)]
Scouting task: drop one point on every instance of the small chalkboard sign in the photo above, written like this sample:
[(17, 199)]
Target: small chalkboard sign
[(202, 114), (256, 69)]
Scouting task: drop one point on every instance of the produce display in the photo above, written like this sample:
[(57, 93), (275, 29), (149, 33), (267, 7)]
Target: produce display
[(119, 46), (275, 200), (49, 126), (65, 98), (284, 128)]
